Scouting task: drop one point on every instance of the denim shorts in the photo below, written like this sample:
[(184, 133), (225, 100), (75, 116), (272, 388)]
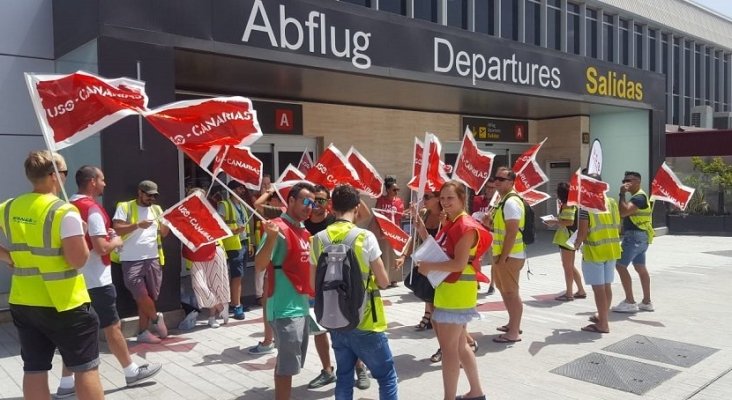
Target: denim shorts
[(598, 272), (635, 244), (237, 260), (461, 317)]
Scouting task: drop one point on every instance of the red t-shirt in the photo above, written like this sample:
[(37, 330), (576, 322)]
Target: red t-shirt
[(480, 203), (394, 208)]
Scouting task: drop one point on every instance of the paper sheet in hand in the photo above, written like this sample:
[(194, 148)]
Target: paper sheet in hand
[(571, 240), (547, 218), (432, 252)]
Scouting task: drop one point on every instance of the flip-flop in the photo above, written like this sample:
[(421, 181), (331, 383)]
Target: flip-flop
[(504, 328), (593, 319), (593, 328), (503, 339), (564, 297), (580, 296)]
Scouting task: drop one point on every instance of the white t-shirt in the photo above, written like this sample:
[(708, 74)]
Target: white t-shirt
[(512, 211), (140, 244), (96, 273), (371, 246), (71, 225)]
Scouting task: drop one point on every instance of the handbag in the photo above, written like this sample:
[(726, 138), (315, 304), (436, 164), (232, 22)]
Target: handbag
[(420, 285)]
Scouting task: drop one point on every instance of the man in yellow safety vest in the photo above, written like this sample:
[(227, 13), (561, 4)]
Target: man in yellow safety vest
[(42, 240)]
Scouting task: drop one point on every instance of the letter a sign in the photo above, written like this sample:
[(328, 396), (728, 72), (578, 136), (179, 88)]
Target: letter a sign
[(284, 119)]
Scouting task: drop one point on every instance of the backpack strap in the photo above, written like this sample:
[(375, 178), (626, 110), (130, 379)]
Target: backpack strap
[(352, 235), (502, 204)]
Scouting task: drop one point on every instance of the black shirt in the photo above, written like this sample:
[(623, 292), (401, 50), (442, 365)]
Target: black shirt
[(639, 201), (315, 227)]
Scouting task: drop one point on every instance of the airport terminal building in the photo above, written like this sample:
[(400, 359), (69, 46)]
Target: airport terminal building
[(374, 74)]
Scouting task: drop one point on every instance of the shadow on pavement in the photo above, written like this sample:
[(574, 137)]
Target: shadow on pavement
[(563, 336)]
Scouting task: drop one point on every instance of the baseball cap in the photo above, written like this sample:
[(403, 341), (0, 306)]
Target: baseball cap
[(148, 187)]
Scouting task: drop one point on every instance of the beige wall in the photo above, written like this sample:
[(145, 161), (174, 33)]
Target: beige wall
[(565, 139)]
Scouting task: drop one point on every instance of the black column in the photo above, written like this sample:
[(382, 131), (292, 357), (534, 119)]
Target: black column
[(657, 156), (126, 162)]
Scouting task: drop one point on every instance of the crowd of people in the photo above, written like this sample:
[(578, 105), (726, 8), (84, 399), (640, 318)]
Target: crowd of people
[(61, 253)]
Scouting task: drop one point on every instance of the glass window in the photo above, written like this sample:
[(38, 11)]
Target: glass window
[(697, 74), (554, 26), (591, 41), (687, 69), (509, 19), (726, 83), (677, 66), (394, 6), (608, 37), (457, 13), (652, 49), (573, 28), (624, 42), (717, 84), (533, 22), (426, 9), (687, 111), (708, 74), (365, 3), (664, 54), (675, 110), (639, 46), (484, 17)]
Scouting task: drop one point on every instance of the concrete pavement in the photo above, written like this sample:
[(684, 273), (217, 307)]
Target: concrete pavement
[(691, 291)]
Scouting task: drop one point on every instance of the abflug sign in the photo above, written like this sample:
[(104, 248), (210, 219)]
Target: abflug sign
[(369, 42)]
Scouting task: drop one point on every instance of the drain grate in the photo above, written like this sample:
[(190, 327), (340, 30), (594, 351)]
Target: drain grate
[(661, 350), (617, 373)]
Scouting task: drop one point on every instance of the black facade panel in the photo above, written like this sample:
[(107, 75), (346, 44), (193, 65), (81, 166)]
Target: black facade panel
[(189, 18), (125, 164), (75, 22)]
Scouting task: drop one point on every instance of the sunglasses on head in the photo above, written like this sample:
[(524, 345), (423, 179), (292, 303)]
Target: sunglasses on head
[(502, 179)]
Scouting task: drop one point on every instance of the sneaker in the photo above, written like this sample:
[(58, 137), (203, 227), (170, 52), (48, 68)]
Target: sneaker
[(261, 348), (213, 323), (160, 326), (147, 337), (646, 307), (145, 372), (239, 312), (491, 290), (624, 307), (189, 322), (62, 393), (225, 313), (323, 379), (362, 379)]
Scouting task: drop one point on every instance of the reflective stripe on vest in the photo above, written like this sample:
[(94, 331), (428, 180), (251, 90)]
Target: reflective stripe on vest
[(133, 216), (603, 238), (337, 232), (499, 229), (643, 218), (41, 275)]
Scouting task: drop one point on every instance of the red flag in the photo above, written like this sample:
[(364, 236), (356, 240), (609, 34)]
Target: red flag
[(291, 174), (240, 164), (590, 194), (332, 169), (393, 233), (530, 177), (370, 182), (305, 162), (72, 107), (202, 125), (436, 176), (529, 155), (534, 197), (573, 197), (195, 222), (666, 186), (417, 161), (473, 166)]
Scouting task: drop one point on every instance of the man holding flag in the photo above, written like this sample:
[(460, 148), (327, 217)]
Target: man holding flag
[(637, 216)]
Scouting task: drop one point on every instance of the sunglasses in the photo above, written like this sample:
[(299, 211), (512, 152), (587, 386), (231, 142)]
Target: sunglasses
[(321, 202), (63, 172), (154, 196), (628, 180), (502, 179), (308, 203)]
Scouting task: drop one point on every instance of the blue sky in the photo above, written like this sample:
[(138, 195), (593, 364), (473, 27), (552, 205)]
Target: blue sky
[(721, 6)]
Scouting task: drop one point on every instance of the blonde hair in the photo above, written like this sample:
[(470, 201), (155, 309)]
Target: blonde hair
[(39, 164)]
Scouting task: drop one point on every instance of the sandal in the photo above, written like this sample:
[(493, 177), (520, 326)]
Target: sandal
[(564, 297), (425, 323), (504, 328), (579, 295), (437, 357)]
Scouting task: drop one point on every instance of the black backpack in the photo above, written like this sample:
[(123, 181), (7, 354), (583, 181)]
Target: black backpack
[(529, 231), (340, 293)]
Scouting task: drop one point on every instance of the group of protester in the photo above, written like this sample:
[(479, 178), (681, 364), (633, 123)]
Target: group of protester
[(60, 255)]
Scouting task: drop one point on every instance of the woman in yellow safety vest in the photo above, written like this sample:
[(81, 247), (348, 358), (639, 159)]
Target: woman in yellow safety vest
[(464, 240), (566, 224)]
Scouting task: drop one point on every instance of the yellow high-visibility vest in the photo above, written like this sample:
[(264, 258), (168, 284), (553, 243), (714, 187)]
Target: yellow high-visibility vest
[(31, 224)]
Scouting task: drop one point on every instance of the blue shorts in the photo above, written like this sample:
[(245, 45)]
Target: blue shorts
[(635, 244), (237, 260), (598, 272)]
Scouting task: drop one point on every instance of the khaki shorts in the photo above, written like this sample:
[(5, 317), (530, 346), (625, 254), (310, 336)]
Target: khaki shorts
[(506, 276)]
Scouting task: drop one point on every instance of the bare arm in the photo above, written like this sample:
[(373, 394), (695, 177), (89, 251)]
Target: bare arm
[(582, 230), (103, 246), (263, 199), (382, 278), (5, 257), (75, 251), (264, 255), (462, 256), (626, 208), (123, 227)]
